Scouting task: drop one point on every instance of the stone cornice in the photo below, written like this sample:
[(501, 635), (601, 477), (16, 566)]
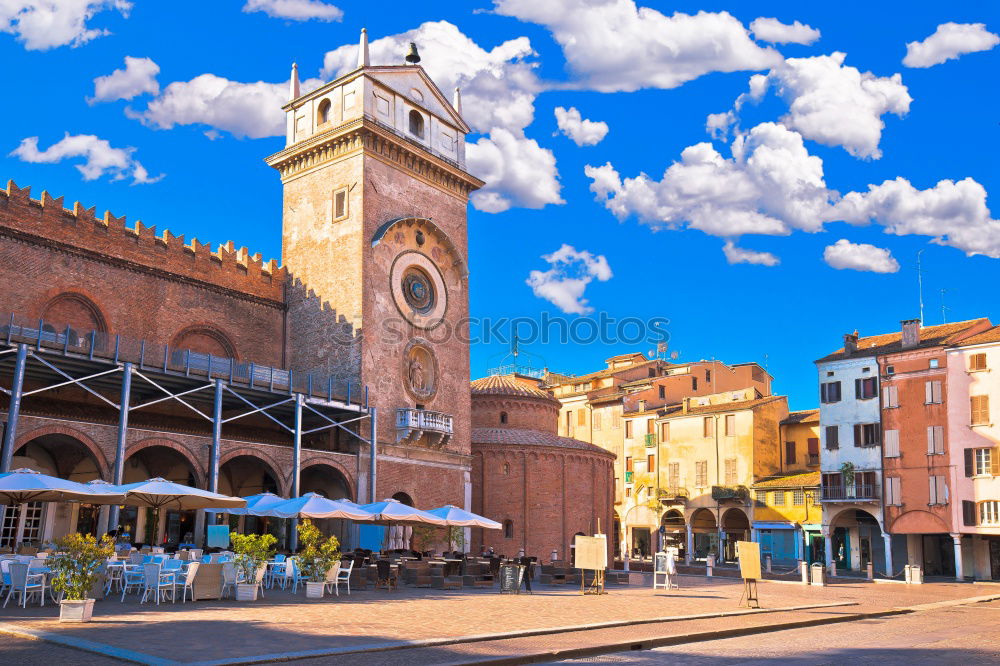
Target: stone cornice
[(365, 135)]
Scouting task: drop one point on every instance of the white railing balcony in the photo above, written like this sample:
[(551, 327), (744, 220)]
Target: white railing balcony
[(412, 425)]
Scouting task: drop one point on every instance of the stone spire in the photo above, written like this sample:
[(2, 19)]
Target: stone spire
[(293, 84), (363, 49), (457, 101)]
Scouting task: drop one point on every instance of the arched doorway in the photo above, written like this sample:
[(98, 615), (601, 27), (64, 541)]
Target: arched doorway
[(706, 533), (735, 527), (403, 498), (245, 475), (331, 483), (172, 526), (674, 531), (64, 456), (856, 540)]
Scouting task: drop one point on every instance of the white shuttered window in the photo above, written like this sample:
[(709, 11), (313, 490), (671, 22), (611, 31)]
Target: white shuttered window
[(935, 440), (891, 444)]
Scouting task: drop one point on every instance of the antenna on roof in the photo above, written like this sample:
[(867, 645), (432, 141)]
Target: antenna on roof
[(920, 287), (944, 308)]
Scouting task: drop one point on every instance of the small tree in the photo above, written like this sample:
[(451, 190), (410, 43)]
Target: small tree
[(78, 566), (456, 538), (252, 551), (316, 555)]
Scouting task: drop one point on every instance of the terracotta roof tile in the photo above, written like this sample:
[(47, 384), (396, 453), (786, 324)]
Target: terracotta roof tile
[(991, 335), (508, 385), (677, 410), (795, 481), (930, 336), (524, 437), (802, 416)]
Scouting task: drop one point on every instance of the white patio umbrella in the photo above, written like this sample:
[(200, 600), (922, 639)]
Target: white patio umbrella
[(394, 512), (159, 493), (257, 505), (314, 505), (26, 485), (457, 517)]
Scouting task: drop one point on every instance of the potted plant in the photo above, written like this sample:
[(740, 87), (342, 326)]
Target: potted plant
[(76, 569), (252, 552), (316, 557)]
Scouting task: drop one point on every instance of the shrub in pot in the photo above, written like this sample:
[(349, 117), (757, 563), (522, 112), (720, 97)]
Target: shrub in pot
[(252, 552), (76, 569), (316, 556)]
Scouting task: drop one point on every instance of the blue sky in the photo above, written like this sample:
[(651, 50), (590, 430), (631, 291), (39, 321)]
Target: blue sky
[(819, 127)]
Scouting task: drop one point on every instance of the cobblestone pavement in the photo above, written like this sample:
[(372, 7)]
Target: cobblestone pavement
[(967, 635), (289, 623)]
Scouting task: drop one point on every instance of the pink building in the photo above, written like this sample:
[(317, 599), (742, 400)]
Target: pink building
[(974, 441)]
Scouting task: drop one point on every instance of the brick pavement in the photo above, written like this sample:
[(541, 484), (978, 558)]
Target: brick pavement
[(283, 622)]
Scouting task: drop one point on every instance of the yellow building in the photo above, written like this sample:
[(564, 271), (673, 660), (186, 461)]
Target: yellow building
[(710, 451), (800, 442), (787, 517)]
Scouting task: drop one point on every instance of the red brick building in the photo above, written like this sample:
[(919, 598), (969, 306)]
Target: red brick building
[(543, 488), (244, 375)]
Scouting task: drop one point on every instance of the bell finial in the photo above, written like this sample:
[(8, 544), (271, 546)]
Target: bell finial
[(293, 84), (363, 49), (412, 57)]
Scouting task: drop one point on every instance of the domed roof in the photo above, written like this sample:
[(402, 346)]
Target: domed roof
[(509, 385), (521, 437)]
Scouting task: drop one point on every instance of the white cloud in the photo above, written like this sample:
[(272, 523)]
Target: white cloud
[(614, 45), (243, 109), (100, 158), (859, 257), (583, 132), (774, 31), (296, 10), (565, 282), (770, 185), (834, 104), (47, 24), (948, 42), (138, 77), (952, 213), (739, 255), (517, 171)]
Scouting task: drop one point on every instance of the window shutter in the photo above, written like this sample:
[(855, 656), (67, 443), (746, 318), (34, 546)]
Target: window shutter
[(994, 461), (968, 513), (858, 391), (859, 435), (822, 392), (835, 392), (936, 388), (891, 443), (942, 489), (938, 439), (969, 466), (932, 490), (930, 440), (928, 392), (813, 446)]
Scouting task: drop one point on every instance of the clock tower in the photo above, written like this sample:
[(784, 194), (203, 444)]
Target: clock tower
[(374, 239)]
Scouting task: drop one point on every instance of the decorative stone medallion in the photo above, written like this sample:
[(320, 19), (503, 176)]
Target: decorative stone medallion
[(418, 289)]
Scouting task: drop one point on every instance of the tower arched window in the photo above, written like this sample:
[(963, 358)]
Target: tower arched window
[(503, 418), (323, 114), (416, 124), (508, 529)]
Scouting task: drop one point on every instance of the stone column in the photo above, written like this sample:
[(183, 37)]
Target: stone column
[(828, 542), (959, 574), (689, 551)]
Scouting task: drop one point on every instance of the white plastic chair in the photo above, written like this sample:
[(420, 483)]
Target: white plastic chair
[(156, 581), (5, 574), (25, 585), (344, 576), (332, 578), (185, 580), (228, 579)]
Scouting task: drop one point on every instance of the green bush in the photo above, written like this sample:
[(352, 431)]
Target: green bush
[(78, 565), (316, 555), (252, 551)]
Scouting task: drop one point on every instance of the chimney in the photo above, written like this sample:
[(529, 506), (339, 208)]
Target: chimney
[(851, 342), (911, 333)]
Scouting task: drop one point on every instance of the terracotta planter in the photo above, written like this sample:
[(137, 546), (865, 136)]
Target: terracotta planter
[(314, 590), (76, 610), (246, 592)]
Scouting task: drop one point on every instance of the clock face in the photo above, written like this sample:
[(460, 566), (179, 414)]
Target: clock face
[(418, 290)]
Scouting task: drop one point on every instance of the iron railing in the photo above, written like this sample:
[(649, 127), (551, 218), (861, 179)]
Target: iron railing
[(97, 345), (852, 492)]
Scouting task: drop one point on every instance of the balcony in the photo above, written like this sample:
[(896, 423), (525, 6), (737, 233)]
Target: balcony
[(412, 425), (737, 493), (649, 440), (854, 493), (628, 477), (672, 495)]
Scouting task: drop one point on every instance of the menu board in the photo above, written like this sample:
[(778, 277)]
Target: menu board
[(591, 552), (748, 553), (510, 578)]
